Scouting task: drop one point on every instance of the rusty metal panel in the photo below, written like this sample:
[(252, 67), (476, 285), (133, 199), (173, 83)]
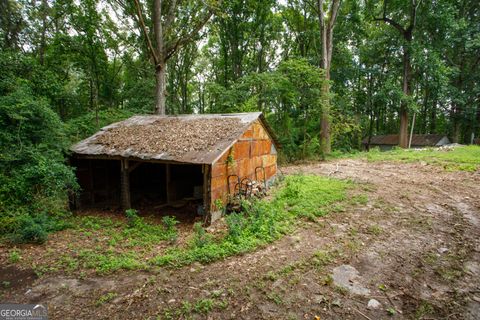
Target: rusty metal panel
[(261, 147), (241, 150), (247, 134), (271, 171), (219, 169), (269, 160)]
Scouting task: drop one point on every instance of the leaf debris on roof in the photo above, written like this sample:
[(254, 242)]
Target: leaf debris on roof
[(173, 136)]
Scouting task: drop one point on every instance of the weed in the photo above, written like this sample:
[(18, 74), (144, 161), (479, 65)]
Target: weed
[(423, 309), (203, 306), (200, 238), (186, 308), (109, 296), (6, 284), (235, 223), (327, 280), (14, 256), (169, 224), (275, 297), (321, 259), (223, 304), (353, 231), (343, 291), (374, 229), (391, 311), (359, 199), (133, 218)]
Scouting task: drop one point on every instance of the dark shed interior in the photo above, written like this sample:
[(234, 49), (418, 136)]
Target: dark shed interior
[(153, 185)]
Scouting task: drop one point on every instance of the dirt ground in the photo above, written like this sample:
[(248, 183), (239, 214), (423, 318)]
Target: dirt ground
[(410, 249)]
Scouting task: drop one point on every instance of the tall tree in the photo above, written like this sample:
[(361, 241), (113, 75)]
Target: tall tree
[(166, 15), (326, 24), (406, 33)]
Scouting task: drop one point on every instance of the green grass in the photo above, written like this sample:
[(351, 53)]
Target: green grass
[(104, 244), (263, 221), (14, 256), (105, 298), (466, 158)]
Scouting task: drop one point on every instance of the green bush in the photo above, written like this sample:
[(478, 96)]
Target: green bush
[(34, 178), (200, 238), (169, 224), (235, 223), (35, 229), (133, 219)]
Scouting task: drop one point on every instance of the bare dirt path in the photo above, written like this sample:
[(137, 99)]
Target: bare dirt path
[(410, 239)]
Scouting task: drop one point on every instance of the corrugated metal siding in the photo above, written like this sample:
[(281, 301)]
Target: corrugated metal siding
[(253, 149)]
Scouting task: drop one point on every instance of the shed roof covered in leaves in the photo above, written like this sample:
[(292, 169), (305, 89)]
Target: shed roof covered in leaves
[(424, 140), (183, 138)]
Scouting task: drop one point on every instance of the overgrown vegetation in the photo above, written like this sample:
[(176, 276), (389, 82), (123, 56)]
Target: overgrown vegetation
[(34, 178), (106, 244), (261, 221)]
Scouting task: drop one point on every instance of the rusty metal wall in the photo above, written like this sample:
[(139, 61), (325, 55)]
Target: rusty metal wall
[(253, 149)]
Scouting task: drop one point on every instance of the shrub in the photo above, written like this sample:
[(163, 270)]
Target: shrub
[(169, 224), (34, 179), (133, 219), (200, 238), (235, 223)]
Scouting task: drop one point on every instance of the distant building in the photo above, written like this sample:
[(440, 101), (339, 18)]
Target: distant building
[(387, 142)]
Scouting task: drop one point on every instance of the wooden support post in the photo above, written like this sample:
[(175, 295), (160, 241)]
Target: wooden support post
[(168, 182), (125, 184), (207, 206)]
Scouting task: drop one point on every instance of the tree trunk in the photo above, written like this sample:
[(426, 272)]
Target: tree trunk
[(325, 139), (425, 112), (456, 131), (407, 83), (326, 29), (433, 117), (160, 89)]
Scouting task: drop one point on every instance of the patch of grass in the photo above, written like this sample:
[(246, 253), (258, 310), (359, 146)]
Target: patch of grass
[(262, 221), (275, 297), (187, 309), (204, 306), (391, 311), (423, 309), (374, 229), (359, 199), (14, 256), (108, 262), (466, 158), (322, 258), (109, 296)]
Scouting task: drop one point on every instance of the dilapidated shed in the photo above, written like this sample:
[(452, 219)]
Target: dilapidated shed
[(171, 160), (387, 142)]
